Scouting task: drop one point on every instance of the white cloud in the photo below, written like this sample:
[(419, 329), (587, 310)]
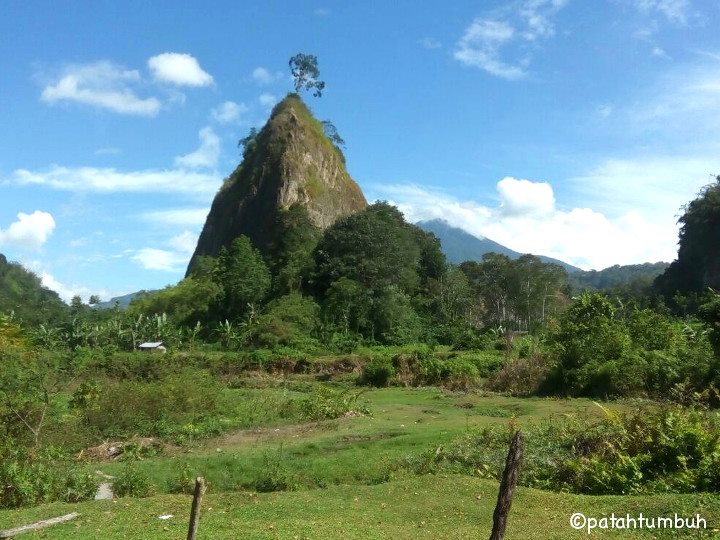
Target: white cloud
[(206, 156), (605, 110), (66, 292), (160, 259), (229, 112), (174, 260), (537, 14), (676, 11), (178, 69), (187, 217), (480, 47), (267, 100), (262, 75), (110, 180), (582, 236), (104, 85), (655, 186), (487, 38), (30, 231), (682, 106), (184, 242), (322, 12), (523, 197)]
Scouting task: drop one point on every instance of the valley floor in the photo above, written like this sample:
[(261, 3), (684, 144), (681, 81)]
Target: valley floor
[(346, 487)]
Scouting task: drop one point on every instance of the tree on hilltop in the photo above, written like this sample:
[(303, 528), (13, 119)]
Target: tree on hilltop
[(305, 71)]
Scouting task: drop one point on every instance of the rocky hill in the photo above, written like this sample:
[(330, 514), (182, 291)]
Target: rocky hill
[(290, 161)]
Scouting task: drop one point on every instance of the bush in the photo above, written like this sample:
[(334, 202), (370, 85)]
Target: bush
[(183, 481), (275, 475), (653, 450), (155, 408), (133, 482), (27, 480), (378, 372), (327, 403), (524, 376)]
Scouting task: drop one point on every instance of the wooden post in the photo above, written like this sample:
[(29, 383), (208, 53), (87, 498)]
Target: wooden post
[(507, 485), (195, 510)]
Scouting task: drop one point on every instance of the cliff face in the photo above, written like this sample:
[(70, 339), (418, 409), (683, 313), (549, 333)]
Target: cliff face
[(291, 161)]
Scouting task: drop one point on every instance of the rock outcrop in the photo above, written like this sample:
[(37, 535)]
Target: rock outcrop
[(290, 161)]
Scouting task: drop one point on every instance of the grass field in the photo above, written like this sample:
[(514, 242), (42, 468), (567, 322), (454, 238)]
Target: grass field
[(344, 483)]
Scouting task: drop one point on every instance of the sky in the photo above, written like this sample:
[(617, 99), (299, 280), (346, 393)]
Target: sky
[(575, 129)]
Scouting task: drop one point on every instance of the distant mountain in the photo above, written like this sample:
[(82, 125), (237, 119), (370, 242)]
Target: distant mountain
[(459, 245), (122, 302), (638, 275)]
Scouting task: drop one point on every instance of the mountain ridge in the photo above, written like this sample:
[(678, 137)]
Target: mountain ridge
[(459, 245)]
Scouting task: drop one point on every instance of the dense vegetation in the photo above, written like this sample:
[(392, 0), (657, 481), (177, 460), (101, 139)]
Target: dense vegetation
[(22, 293), (365, 324)]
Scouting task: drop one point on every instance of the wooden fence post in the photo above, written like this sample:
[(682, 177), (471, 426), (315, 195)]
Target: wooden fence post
[(507, 485), (195, 510)]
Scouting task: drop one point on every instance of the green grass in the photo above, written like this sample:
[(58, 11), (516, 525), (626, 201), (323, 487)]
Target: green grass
[(357, 450), (346, 479), (428, 507)]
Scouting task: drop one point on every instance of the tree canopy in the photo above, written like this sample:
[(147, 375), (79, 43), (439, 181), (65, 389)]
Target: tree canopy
[(306, 74), (698, 263)]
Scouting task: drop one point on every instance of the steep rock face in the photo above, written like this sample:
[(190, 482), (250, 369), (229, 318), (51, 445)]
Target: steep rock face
[(291, 161)]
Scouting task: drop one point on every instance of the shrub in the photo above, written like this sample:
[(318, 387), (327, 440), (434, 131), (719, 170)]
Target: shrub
[(327, 403), (652, 450), (27, 480), (522, 376), (133, 482), (129, 408), (378, 372), (183, 481), (275, 475)]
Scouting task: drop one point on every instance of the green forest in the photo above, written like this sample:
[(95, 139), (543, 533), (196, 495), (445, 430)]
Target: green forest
[(334, 350)]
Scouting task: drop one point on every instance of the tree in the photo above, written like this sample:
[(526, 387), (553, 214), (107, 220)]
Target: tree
[(519, 294), (249, 142), (376, 248), (373, 270), (698, 263), (331, 133), (291, 258), (304, 69), (94, 299), (587, 336), (243, 275)]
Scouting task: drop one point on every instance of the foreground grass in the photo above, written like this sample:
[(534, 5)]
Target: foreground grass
[(428, 507)]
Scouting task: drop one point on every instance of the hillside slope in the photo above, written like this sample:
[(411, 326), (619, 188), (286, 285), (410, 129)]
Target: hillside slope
[(22, 293)]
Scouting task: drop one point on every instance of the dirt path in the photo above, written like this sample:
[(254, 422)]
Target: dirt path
[(251, 437)]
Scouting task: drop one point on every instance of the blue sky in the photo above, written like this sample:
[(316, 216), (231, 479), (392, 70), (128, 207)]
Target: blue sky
[(570, 128)]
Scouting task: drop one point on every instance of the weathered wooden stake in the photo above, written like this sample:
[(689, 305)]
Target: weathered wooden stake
[(9, 533), (507, 485), (195, 510)]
